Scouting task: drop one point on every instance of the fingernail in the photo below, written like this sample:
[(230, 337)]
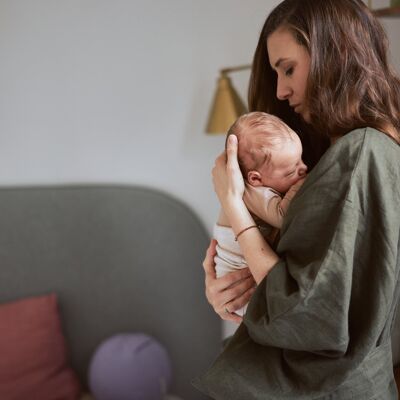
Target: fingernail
[(233, 138)]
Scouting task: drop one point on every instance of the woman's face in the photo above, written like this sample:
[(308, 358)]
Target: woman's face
[(291, 61)]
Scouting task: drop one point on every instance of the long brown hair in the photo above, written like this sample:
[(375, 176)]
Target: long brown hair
[(351, 83)]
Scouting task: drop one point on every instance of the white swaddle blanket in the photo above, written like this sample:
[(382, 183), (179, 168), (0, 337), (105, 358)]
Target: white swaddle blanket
[(229, 257)]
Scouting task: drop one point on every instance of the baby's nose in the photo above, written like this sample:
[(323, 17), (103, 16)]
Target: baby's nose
[(303, 169)]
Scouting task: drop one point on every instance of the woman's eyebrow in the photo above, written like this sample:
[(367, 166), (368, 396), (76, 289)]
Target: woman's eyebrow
[(279, 61)]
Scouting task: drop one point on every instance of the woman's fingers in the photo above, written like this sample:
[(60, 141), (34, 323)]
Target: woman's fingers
[(231, 152), (208, 263), (233, 296), (219, 167), (229, 292), (231, 317), (230, 280), (240, 301), (227, 176), (221, 159), (227, 288), (227, 313)]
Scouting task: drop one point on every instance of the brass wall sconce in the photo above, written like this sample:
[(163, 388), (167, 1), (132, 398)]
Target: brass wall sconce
[(227, 105)]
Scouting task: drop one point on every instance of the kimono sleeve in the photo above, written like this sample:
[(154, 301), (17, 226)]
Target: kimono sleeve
[(303, 303), (318, 325), (332, 289)]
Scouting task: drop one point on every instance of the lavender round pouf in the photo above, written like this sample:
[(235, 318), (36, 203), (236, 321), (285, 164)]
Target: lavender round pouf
[(130, 367)]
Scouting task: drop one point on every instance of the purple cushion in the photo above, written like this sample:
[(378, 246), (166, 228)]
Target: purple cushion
[(130, 367)]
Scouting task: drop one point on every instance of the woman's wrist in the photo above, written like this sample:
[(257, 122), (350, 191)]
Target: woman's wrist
[(239, 217), (223, 219), (234, 208)]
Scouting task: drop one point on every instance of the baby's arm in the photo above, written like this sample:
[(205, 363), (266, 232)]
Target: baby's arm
[(283, 205), (268, 204)]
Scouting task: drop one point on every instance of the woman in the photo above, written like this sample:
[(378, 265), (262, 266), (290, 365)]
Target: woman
[(318, 325)]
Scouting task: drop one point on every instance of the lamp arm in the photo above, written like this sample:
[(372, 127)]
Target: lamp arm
[(226, 71)]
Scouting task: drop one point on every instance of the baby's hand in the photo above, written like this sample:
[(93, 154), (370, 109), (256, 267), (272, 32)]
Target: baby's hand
[(298, 184)]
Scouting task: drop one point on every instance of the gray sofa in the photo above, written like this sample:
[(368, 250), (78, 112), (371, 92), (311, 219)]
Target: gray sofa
[(121, 259)]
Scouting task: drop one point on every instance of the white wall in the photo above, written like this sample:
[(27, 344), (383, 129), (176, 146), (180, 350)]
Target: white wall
[(118, 91), (392, 27)]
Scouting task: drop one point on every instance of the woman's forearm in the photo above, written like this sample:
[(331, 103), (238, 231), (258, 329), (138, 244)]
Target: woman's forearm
[(223, 219), (257, 252)]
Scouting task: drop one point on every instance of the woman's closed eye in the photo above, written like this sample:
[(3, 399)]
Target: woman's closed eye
[(289, 71)]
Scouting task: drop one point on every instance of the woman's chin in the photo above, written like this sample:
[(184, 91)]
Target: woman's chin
[(306, 116)]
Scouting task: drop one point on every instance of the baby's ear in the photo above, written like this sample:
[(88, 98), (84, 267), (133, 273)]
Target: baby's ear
[(254, 178)]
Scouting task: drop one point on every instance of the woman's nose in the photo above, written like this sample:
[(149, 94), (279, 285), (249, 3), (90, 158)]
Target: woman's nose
[(283, 91)]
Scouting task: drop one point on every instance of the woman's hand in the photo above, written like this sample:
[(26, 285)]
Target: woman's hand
[(227, 177), (228, 293)]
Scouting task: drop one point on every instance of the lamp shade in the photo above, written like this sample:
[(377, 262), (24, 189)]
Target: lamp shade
[(226, 107)]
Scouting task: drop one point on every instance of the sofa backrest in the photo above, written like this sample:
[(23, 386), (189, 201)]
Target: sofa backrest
[(121, 259)]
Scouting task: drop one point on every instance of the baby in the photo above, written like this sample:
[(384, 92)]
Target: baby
[(269, 155)]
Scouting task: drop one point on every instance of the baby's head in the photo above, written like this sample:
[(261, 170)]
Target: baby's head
[(269, 152)]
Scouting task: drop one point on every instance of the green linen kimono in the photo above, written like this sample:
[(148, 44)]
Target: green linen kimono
[(318, 326)]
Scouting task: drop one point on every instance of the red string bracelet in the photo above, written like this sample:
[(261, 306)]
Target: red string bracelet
[(244, 230)]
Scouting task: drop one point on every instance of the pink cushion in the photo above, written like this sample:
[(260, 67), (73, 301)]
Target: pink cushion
[(33, 361)]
